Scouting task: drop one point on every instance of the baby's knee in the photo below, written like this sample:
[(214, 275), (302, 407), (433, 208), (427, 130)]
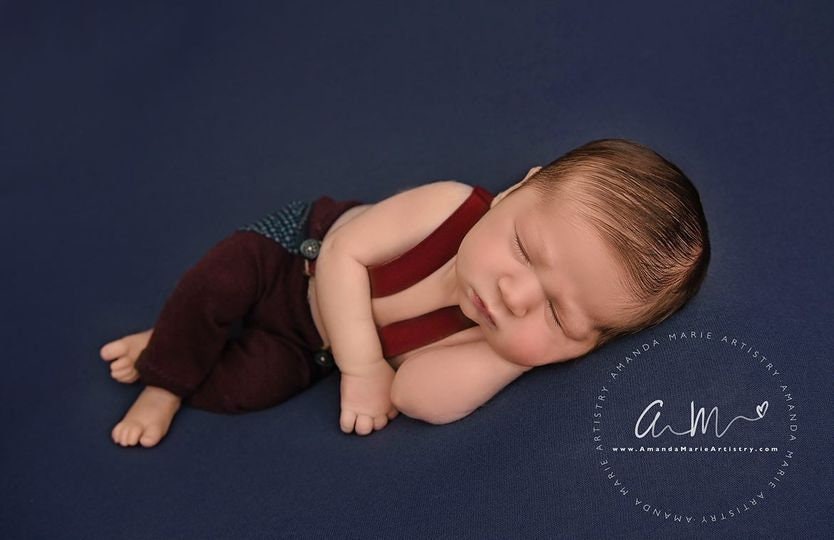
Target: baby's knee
[(229, 271)]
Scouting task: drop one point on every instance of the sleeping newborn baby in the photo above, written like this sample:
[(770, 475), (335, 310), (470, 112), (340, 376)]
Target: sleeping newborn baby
[(428, 302)]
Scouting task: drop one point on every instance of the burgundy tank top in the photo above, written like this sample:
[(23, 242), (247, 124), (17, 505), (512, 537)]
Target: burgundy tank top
[(417, 263)]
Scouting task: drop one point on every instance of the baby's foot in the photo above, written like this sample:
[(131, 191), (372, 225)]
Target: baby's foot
[(122, 355), (148, 419)]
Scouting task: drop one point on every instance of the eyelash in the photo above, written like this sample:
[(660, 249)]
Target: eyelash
[(517, 242), (520, 251)]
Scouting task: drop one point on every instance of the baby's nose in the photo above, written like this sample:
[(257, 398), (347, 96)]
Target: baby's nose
[(518, 295)]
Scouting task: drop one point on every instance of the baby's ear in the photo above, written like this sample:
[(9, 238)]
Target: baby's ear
[(514, 187), (532, 171)]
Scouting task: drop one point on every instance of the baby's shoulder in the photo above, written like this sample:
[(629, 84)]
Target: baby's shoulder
[(424, 207), (441, 191), (419, 208), (397, 223)]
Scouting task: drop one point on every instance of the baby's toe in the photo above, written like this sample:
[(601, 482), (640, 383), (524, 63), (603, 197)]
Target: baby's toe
[(121, 363), (121, 433), (133, 434), (124, 437), (114, 349), (151, 436), (123, 375), (346, 421), (116, 433)]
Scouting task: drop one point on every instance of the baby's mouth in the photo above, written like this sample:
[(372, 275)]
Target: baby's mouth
[(482, 307)]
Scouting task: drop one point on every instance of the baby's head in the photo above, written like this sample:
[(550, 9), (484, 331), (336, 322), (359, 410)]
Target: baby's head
[(647, 212), (613, 240)]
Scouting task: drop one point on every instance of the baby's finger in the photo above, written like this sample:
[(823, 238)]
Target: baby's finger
[(380, 422), (364, 424), (346, 421)]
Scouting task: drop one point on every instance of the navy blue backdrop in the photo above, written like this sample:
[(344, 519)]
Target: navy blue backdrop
[(133, 137)]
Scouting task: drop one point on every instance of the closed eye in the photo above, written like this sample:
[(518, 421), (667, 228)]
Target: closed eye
[(520, 249)]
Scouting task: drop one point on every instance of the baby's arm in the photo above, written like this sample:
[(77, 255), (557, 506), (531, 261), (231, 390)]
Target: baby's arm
[(444, 384), (343, 294), (378, 234)]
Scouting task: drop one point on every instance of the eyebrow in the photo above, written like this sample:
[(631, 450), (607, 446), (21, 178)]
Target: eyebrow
[(568, 329)]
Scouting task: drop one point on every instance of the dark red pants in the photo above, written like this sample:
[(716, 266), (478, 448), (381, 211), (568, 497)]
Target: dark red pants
[(249, 279)]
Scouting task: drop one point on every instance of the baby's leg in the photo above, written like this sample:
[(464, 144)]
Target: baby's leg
[(192, 330), (258, 371)]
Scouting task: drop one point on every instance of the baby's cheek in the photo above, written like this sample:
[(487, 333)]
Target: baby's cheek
[(528, 349)]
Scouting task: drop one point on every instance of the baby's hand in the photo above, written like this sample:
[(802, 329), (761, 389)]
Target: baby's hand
[(366, 398)]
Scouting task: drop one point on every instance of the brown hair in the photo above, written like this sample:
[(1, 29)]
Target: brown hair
[(648, 211)]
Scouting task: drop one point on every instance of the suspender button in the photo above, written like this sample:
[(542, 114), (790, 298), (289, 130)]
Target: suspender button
[(310, 248), (324, 358)]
